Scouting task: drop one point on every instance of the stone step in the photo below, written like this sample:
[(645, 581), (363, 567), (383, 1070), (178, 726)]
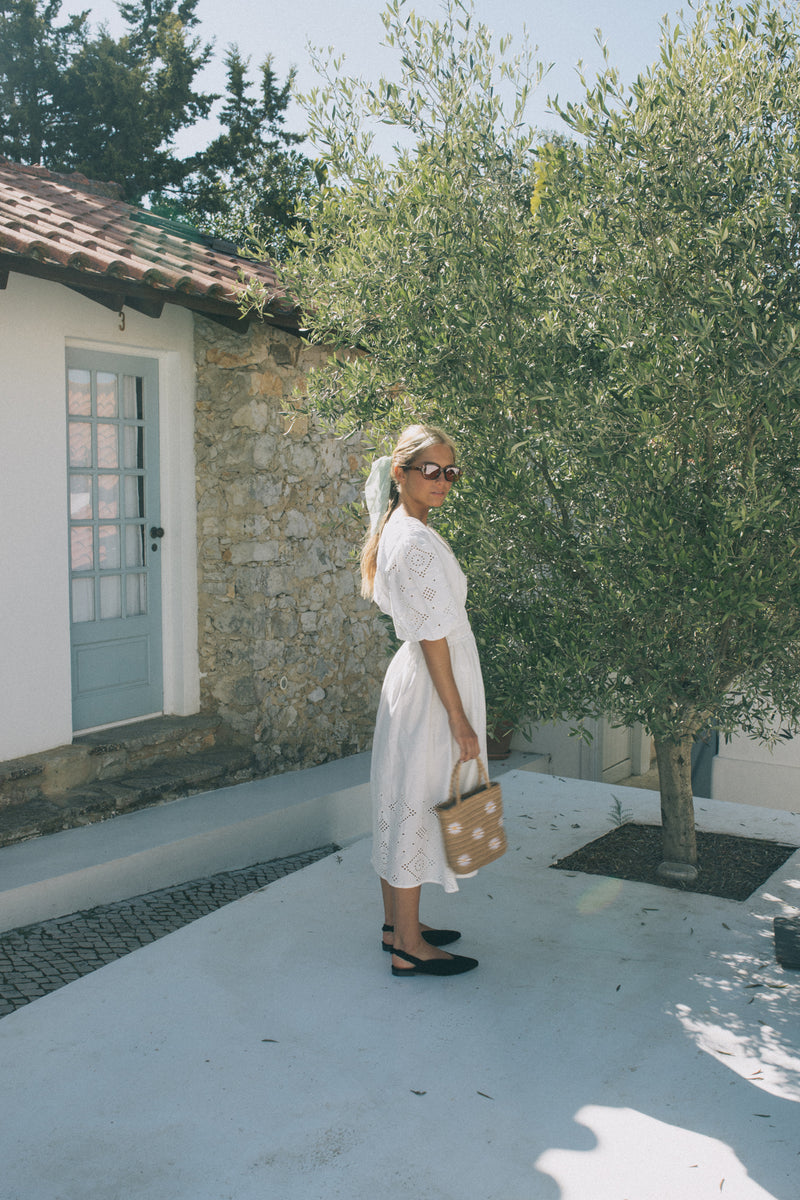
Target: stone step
[(34, 815), (21, 780), (106, 754), (109, 754), (116, 752)]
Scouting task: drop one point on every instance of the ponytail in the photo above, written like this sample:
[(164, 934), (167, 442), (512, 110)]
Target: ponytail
[(369, 552)]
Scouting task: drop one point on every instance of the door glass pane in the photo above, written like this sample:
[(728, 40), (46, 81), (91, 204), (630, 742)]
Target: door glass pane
[(134, 496), (83, 599), (107, 496), (79, 393), (110, 596), (137, 595), (80, 497), (133, 407), (115, 593), (133, 447), (81, 550), (134, 546), (109, 547), (106, 395), (107, 453), (80, 444)]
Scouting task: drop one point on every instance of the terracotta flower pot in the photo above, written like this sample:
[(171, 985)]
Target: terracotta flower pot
[(498, 742)]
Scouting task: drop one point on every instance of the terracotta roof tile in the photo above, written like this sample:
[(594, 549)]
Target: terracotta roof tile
[(68, 221)]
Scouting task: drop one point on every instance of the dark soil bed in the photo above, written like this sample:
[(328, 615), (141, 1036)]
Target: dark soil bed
[(729, 867)]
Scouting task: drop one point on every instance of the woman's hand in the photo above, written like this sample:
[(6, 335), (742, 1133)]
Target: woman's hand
[(466, 737)]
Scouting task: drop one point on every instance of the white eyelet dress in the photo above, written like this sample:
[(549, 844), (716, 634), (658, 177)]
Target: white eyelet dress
[(420, 585)]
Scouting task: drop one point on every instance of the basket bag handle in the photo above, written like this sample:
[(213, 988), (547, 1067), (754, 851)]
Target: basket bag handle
[(455, 782)]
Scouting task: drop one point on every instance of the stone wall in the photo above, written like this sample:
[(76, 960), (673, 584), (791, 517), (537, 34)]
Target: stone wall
[(291, 657)]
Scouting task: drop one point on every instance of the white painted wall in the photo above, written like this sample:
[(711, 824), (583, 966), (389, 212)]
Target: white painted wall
[(38, 320), (613, 753), (748, 772)]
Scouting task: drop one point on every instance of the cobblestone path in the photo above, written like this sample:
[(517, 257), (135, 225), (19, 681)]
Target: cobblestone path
[(37, 959)]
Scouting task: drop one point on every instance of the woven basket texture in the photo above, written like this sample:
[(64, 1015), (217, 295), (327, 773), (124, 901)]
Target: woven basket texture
[(472, 825)]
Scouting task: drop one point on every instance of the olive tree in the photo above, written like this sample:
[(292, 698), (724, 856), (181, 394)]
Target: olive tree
[(678, 212), (608, 322), (423, 266)]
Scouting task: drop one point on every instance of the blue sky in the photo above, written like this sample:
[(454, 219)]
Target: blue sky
[(563, 31)]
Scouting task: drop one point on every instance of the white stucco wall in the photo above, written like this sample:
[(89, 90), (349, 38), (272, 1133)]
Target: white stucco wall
[(613, 753), (38, 321), (748, 772)]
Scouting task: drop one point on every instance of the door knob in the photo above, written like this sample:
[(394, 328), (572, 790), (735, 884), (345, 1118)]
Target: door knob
[(156, 531)]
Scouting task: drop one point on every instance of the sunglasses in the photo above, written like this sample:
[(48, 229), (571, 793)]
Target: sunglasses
[(431, 471)]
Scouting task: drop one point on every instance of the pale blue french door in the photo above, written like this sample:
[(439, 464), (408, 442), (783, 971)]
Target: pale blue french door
[(115, 538)]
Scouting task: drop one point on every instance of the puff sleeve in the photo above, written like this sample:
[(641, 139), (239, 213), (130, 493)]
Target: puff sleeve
[(421, 600)]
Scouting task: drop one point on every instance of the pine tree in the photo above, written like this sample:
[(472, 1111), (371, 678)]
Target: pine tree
[(247, 185), (123, 102), (76, 99), (34, 52), (109, 108)]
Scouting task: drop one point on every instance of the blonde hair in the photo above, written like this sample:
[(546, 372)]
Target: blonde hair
[(412, 441)]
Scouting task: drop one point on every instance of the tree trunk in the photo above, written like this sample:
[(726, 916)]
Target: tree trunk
[(677, 809)]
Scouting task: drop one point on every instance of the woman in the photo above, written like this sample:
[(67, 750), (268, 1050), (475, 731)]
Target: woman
[(432, 707)]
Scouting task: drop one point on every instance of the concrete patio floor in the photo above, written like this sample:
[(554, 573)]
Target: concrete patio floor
[(618, 1042)]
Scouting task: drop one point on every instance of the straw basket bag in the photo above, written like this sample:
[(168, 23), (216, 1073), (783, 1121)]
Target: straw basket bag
[(472, 825)]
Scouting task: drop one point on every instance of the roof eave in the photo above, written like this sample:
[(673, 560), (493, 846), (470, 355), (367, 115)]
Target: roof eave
[(114, 292)]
